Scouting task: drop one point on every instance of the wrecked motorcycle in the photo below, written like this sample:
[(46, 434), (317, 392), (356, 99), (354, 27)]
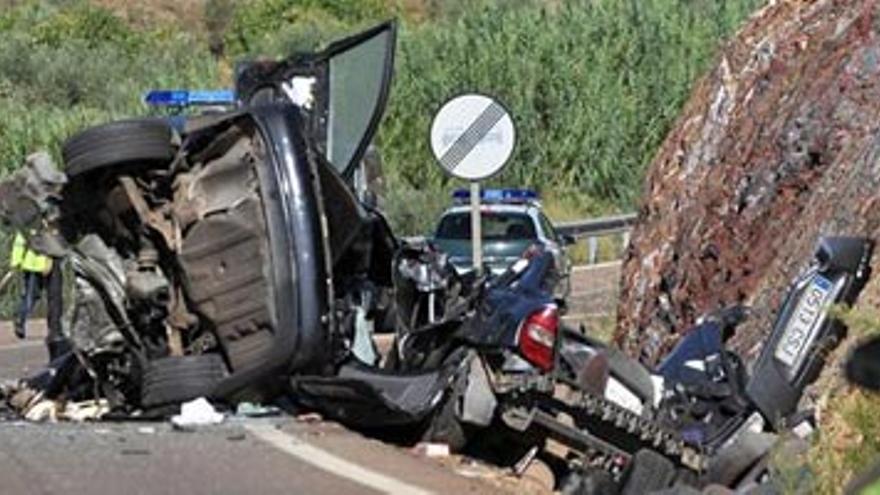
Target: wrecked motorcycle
[(501, 361)]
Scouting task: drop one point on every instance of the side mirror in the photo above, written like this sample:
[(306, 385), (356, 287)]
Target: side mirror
[(567, 239)]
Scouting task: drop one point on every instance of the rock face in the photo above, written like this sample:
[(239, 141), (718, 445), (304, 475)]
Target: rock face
[(778, 145)]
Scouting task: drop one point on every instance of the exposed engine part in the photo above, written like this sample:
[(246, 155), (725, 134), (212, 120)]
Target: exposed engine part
[(99, 321)]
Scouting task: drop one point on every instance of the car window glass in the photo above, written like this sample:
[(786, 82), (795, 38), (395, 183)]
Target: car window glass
[(547, 227), (455, 226), (357, 78), (504, 226)]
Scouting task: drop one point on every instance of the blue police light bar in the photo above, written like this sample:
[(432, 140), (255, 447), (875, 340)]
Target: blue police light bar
[(513, 196), (184, 97)]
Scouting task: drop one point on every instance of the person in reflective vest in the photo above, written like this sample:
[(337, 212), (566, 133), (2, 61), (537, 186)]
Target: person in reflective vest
[(39, 273)]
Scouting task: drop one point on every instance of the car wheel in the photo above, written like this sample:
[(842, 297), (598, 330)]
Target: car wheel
[(648, 472), (178, 379), (119, 143)]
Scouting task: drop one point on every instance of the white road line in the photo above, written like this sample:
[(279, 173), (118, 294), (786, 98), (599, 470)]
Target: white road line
[(21, 345), (322, 459)]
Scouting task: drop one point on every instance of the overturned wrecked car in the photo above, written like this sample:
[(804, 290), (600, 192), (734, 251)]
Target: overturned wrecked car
[(217, 253)]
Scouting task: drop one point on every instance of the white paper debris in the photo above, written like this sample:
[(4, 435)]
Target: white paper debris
[(198, 412)]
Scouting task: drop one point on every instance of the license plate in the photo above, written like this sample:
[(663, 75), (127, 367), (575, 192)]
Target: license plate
[(802, 327)]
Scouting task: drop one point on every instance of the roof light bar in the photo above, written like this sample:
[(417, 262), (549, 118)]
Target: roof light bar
[(510, 196), (183, 97)]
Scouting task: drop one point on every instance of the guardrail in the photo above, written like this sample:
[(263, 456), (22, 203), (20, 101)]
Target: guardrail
[(590, 229), (593, 228)]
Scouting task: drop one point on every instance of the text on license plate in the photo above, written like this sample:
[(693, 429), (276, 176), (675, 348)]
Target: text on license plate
[(801, 328)]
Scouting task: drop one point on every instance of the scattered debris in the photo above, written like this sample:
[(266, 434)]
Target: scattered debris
[(251, 410), (309, 418), (89, 410), (195, 413), (42, 410), (430, 449)]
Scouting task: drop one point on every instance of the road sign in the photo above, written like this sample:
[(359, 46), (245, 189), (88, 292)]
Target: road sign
[(472, 137)]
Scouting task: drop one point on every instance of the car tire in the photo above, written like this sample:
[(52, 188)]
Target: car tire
[(178, 379), (445, 427), (648, 472), (119, 143)]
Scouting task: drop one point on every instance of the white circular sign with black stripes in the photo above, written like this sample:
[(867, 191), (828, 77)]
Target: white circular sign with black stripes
[(472, 137)]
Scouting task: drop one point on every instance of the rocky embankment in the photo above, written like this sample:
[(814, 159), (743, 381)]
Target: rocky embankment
[(779, 144)]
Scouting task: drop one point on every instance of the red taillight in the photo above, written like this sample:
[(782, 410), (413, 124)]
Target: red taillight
[(537, 336)]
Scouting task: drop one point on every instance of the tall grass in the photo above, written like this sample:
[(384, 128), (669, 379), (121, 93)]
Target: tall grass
[(63, 68), (594, 85)]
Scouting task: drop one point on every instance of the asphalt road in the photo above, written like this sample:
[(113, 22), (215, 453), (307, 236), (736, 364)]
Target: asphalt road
[(253, 456), (241, 455)]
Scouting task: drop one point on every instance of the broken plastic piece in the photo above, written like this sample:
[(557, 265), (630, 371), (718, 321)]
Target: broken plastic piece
[(44, 410), (85, 411), (310, 418), (198, 412), (429, 449), (251, 410)]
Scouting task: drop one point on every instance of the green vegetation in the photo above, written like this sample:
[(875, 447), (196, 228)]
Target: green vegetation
[(847, 443), (64, 68), (594, 84), (848, 440)]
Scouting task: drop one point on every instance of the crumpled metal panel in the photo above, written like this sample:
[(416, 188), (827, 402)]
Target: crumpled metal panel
[(225, 259), (777, 145), (100, 288)]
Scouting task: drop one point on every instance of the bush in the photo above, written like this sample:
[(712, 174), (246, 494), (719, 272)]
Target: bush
[(279, 27), (593, 85), (50, 89)]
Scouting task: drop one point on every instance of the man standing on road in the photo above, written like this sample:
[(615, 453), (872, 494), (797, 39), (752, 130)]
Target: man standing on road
[(39, 272), (29, 201)]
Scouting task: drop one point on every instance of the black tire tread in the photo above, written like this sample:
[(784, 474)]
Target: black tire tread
[(119, 143), (178, 379)]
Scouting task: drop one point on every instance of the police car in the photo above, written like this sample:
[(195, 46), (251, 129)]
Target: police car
[(512, 220)]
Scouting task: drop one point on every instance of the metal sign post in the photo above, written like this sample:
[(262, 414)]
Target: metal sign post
[(476, 228), (473, 138)]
